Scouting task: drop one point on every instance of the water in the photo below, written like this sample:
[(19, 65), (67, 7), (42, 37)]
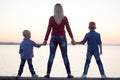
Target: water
[(10, 60)]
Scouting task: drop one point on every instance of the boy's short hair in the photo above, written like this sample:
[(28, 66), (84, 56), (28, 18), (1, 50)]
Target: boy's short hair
[(92, 25), (26, 33)]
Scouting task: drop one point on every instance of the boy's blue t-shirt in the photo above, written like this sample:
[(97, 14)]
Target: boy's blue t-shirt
[(93, 40), (26, 48)]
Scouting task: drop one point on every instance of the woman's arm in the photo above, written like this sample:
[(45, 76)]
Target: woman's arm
[(47, 32), (69, 29)]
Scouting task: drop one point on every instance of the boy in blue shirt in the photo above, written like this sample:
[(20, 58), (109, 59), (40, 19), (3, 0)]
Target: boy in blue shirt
[(93, 41), (26, 52)]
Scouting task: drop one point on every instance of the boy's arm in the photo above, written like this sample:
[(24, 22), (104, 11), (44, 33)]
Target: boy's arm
[(100, 45), (20, 50), (78, 42), (83, 41), (36, 45), (74, 43)]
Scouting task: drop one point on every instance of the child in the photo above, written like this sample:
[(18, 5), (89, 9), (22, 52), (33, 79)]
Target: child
[(93, 40), (26, 52)]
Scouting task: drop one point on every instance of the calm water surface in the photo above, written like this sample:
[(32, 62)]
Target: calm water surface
[(10, 60)]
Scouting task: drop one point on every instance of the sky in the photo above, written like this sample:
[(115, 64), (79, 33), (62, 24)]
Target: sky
[(18, 15)]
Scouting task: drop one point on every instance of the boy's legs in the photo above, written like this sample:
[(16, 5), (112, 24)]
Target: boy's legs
[(31, 66), (21, 66), (88, 60), (99, 63)]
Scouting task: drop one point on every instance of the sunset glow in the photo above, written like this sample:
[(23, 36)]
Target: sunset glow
[(17, 15)]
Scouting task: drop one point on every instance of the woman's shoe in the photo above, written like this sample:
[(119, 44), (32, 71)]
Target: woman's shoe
[(70, 76)]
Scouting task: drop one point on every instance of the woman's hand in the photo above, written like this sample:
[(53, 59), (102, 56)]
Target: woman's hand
[(45, 42), (73, 42)]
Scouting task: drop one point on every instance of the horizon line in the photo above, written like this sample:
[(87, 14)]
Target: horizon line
[(17, 43)]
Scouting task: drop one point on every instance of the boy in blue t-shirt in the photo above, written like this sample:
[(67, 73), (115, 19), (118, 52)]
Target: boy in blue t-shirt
[(26, 52), (93, 41)]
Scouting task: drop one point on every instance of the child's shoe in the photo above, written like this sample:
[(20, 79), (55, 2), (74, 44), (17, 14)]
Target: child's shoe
[(18, 76), (35, 76), (103, 76), (84, 76), (47, 76)]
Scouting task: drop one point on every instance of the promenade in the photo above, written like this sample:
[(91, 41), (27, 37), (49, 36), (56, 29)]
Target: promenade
[(52, 78)]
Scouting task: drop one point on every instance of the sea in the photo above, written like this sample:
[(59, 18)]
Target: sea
[(10, 61)]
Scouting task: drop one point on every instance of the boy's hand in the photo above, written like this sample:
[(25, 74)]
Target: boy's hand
[(100, 52)]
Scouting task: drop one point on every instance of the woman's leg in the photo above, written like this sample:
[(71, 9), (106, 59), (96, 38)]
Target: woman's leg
[(53, 46), (63, 47)]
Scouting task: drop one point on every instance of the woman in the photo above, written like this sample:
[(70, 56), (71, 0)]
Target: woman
[(57, 24)]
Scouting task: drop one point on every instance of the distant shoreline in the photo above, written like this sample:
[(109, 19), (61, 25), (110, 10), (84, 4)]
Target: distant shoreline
[(9, 43), (15, 43)]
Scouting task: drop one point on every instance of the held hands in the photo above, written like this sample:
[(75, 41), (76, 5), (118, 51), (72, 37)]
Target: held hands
[(73, 42), (44, 43)]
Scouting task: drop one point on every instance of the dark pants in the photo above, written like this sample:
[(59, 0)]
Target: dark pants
[(61, 41), (98, 61), (22, 66)]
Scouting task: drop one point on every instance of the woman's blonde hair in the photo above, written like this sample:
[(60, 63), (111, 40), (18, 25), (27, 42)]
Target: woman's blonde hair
[(58, 13)]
